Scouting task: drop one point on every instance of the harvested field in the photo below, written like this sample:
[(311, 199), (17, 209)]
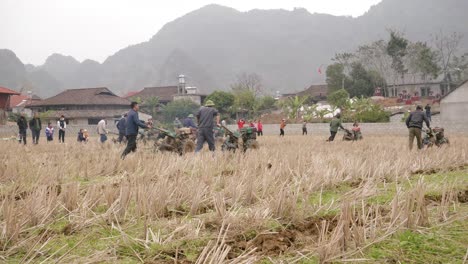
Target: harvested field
[(293, 200)]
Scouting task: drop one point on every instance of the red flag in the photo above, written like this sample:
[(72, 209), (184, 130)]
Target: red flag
[(320, 70)]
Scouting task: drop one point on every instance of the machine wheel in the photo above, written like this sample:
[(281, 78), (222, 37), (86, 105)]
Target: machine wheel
[(188, 146)]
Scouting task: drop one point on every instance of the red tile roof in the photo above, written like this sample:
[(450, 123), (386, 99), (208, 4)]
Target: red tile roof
[(15, 100), (4, 90)]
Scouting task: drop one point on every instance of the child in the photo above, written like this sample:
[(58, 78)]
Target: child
[(357, 131), (49, 131), (81, 136)]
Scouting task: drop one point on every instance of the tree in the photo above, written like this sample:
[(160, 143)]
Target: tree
[(397, 49), (248, 81), (244, 101), (179, 108), (264, 103), (151, 105), (336, 78), (446, 49), (339, 98), (423, 60), (293, 105), (223, 100)]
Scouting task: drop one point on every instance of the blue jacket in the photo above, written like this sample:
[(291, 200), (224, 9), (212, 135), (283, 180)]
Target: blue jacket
[(188, 122), (133, 122), (122, 126)]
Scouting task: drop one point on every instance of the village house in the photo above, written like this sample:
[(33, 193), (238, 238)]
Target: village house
[(85, 106), (167, 94), (5, 95), (19, 103), (454, 106), (316, 92)]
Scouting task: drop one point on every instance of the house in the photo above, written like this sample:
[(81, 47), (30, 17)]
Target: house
[(164, 93), (19, 103), (316, 91), (167, 94), (85, 106), (454, 106), (5, 95)]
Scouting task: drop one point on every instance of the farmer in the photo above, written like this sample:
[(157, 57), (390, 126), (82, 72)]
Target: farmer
[(259, 128), (35, 125), (121, 126), (334, 125), (133, 123), (205, 117), (62, 125), (177, 124), (188, 121), (428, 112), (414, 122), (22, 127), (102, 130), (49, 131), (357, 131), (304, 128), (282, 126)]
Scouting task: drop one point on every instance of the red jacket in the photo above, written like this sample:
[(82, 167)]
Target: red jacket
[(259, 126), (240, 124)]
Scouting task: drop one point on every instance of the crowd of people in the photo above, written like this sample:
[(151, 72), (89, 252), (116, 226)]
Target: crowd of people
[(207, 120)]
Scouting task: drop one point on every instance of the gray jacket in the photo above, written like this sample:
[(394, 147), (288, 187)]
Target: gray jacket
[(133, 122), (416, 119)]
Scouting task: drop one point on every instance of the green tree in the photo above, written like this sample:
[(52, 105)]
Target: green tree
[(397, 50), (339, 98), (223, 100), (336, 78), (244, 101), (264, 103), (180, 109), (151, 105), (292, 105), (423, 60)]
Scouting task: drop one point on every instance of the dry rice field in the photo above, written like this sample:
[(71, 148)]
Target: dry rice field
[(294, 200)]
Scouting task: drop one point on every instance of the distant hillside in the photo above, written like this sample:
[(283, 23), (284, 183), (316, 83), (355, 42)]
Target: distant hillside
[(214, 44)]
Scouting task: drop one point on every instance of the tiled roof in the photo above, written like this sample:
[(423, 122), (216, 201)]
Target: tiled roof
[(315, 90), (87, 113), (164, 93), (84, 96), (4, 90)]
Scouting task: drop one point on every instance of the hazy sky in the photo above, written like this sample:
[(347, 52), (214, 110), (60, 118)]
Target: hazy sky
[(95, 29)]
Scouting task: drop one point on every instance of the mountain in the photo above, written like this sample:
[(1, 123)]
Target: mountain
[(214, 44), (12, 70)]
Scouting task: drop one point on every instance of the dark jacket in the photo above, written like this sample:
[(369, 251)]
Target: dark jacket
[(416, 119), (22, 123), (33, 122), (205, 117), (122, 125), (133, 122), (188, 122)]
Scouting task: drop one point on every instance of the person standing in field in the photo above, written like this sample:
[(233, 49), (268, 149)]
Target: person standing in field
[(428, 112), (334, 125), (177, 124), (62, 125), (102, 130), (205, 117), (133, 123), (22, 127), (259, 128), (35, 125), (282, 126), (240, 124), (188, 122), (49, 131), (414, 122), (304, 128), (121, 126)]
